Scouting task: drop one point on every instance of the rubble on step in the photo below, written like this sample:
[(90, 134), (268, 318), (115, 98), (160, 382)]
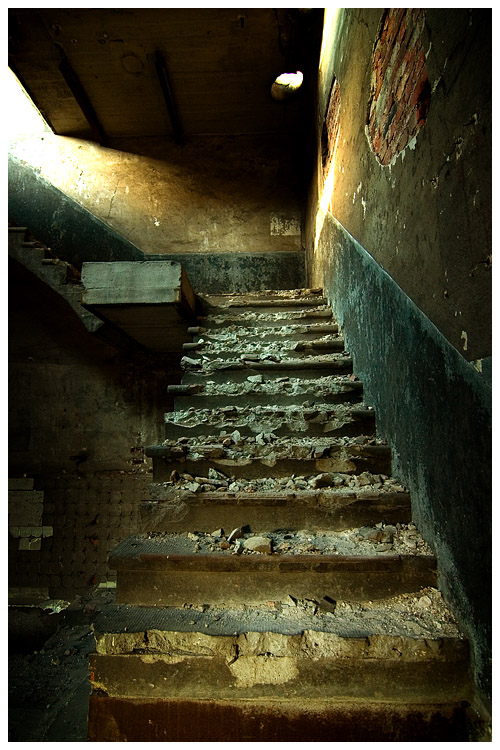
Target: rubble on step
[(265, 419), (420, 615), (263, 444), (216, 480), (401, 539)]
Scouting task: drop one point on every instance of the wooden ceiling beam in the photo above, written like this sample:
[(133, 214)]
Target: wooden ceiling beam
[(81, 97), (168, 95)]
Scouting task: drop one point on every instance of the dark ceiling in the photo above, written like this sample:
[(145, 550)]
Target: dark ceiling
[(104, 74)]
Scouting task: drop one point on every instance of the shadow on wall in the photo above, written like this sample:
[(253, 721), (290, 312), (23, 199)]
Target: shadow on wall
[(77, 236), (72, 232)]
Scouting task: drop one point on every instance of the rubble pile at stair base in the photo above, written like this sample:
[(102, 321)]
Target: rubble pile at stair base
[(277, 589)]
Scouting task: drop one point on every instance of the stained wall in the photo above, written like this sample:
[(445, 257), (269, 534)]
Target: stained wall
[(214, 194), (409, 175)]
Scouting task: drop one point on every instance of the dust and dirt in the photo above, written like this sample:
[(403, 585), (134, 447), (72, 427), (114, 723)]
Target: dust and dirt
[(48, 687)]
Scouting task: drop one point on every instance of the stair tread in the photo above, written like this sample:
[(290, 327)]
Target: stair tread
[(235, 332), (265, 293), (320, 386), (269, 445), (266, 505), (283, 298), (271, 457), (413, 616), (321, 412), (272, 362), (262, 351), (264, 319), (338, 549), (287, 490)]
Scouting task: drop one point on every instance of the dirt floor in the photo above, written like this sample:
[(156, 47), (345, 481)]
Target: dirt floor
[(48, 679)]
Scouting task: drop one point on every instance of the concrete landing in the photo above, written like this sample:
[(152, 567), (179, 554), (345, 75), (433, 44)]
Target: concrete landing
[(151, 301)]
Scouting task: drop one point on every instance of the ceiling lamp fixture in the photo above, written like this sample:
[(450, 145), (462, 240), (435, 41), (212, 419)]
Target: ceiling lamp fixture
[(286, 85)]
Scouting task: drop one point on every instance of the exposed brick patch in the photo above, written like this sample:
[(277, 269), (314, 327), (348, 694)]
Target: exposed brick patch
[(401, 93), (330, 127)]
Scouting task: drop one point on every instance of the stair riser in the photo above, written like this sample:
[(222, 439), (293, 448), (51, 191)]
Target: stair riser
[(212, 678), (355, 582), (378, 463), (206, 514), (146, 720)]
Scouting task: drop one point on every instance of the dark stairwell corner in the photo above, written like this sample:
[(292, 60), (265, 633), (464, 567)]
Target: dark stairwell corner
[(250, 375)]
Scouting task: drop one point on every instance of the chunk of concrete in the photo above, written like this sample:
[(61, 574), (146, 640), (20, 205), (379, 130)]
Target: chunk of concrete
[(151, 301)]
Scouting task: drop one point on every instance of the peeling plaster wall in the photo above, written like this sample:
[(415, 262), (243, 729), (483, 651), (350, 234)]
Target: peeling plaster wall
[(214, 194), (426, 216)]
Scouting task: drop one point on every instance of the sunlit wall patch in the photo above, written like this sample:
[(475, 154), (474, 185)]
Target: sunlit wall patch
[(331, 126), (401, 93)]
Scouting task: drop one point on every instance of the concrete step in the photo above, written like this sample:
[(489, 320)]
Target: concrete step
[(283, 651), (268, 456), (294, 332), (179, 569), (285, 298), (322, 419), (285, 391), (258, 319), (198, 370), (16, 238), (30, 257), (261, 351), (185, 505), (54, 273)]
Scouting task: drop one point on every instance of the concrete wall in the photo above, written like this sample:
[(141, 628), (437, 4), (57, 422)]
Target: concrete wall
[(425, 212), (214, 194), (399, 249), (434, 408), (233, 231), (80, 416)]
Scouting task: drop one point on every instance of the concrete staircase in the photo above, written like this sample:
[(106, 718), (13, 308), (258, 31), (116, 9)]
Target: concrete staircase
[(277, 590), (62, 277)]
